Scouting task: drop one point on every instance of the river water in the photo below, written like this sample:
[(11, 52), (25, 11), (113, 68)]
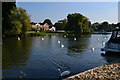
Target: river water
[(42, 56)]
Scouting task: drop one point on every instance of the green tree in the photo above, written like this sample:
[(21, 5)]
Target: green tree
[(95, 26), (105, 26), (6, 21), (78, 23), (48, 21), (118, 24), (20, 21), (61, 24)]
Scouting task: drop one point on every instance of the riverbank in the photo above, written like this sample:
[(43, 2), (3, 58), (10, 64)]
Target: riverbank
[(34, 33), (105, 72), (43, 33)]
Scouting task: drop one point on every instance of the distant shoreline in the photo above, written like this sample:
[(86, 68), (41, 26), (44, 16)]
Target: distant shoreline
[(33, 33), (97, 32)]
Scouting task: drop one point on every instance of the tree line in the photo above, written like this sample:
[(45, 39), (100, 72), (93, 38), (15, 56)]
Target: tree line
[(99, 27), (104, 26)]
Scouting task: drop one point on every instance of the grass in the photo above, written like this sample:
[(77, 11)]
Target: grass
[(43, 33), (33, 33)]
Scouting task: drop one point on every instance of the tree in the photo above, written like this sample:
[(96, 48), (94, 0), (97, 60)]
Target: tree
[(48, 21), (20, 21), (61, 24), (95, 26), (78, 23), (6, 21), (105, 26), (118, 24)]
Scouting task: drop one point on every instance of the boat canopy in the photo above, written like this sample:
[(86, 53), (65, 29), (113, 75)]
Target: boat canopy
[(115, 38)]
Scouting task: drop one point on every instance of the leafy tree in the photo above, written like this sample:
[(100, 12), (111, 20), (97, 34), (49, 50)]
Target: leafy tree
[(6, 21), (48, 21), (78, 23), (20, 21), (118, 24), (61, 24), (104, 26), (95, 26)]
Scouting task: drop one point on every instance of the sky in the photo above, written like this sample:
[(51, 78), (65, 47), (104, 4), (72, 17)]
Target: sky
[(94, 11)]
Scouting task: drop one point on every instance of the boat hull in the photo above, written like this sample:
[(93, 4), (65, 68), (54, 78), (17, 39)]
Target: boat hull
[(111, 47), (113, 44), (110, 50)]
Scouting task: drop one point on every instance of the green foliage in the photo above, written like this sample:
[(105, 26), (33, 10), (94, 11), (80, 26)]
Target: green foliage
[(48, 21), (20, 21), (104, 26), (78, 23), (61, 24), (15, 20), (95, 26), (6, 21)]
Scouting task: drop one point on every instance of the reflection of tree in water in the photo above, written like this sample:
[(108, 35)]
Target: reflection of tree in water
[(15, 52), (80, 44), (76, 48), (112, 57), (79, 36)]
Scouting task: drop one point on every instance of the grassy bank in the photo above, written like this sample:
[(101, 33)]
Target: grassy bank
[(43, 33), (33, 33)]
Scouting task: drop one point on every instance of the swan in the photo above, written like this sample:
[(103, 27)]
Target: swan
[(42, 38), (65, 36), (58, 41), (62, 46), (64, 73), (103, 42), (75, 39), (92, 49), (21, 72), (18, 38)]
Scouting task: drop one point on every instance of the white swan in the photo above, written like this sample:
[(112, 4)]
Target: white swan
[(62, 46), (21, 72), (65, 36), (75, 39), (42, 38), (18, 38), (64, 73), (92, 49), (103, 42), (58, 41)]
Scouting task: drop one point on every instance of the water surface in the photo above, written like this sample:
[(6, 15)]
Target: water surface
[(32, 57)]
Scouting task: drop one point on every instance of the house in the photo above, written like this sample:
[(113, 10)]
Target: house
[(52, 29), (42, 27), (33, 24), (37, 26)]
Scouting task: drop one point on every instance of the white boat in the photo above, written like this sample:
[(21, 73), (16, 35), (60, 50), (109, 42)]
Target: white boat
[(113, 44)]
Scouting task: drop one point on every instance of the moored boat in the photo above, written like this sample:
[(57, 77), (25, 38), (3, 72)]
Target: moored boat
[(113, 44)]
